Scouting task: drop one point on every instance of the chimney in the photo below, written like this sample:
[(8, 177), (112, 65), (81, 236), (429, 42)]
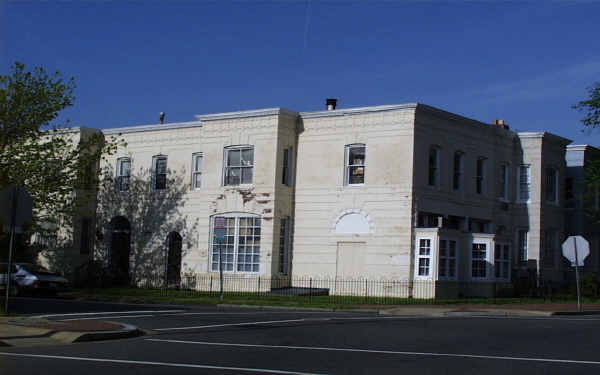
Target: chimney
[(161, 117), (330, 104), (495, 122)]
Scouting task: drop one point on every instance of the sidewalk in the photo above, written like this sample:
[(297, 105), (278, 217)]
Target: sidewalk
[(25, 331)]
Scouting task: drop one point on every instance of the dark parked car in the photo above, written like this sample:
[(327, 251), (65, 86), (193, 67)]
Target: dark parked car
[(28, 277)]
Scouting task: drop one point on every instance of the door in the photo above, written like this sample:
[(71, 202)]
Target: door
[(351, 258)]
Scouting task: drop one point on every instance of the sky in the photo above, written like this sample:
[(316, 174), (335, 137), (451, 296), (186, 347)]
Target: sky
[(524, 62)]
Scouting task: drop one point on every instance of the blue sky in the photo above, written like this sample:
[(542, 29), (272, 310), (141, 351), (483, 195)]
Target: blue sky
[(524, 62)]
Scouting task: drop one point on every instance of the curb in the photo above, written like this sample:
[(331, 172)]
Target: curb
[(263, 307), (592, 312), (128, 330)]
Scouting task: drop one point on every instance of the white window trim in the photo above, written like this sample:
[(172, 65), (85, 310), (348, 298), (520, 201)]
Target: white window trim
[(436, 175), (195, 172), (155, 159), (456, 257), (347, 164), (237, 216), (225, 166), (488, 251), (432, 264), (505, 167), (519, 198), (502, 261)]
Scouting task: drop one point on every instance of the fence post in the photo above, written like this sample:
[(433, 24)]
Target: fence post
[(210, 292), (258, 287), (366, 289), (310, 291)]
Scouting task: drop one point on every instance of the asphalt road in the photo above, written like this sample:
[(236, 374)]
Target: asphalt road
[(208, 340)]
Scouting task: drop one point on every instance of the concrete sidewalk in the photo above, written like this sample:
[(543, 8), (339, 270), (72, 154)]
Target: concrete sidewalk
[(547, 309), (26, 331)]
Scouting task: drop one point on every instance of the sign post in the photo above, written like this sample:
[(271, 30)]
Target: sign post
[(17, 207), (220, 240), (576, 249)]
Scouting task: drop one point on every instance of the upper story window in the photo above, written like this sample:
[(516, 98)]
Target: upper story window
[(524, 183), (286, 175), (239, 165), (551, 185), (434, 166), (503, 183), (457, 178), (355, 164), (480, 175), (197, 160), (159, 172), (123, 173)]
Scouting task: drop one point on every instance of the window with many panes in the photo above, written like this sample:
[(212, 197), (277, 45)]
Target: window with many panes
[(197, 161), (551, 185), (241, 246), (284, 245), (159, 172), (433, 178), (239, 165), (478, 260), (502, 262), (522, 240), (424, 257), (480, 175), (447, 263), (123, 173), (355, 164), (457, 178), (524, 183)]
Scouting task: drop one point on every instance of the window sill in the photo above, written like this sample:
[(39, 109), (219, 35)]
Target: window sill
[(354, 185)]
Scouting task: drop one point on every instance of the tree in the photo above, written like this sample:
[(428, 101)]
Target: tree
[(591, 106), (55, 164)]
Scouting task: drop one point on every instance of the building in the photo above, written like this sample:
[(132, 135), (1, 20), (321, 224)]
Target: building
[(402, 192)]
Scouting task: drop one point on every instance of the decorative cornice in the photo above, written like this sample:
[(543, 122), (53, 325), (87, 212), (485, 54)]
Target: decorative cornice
[(543, 134), (244, 114), (583, 148), (358, 110), (151, 128)]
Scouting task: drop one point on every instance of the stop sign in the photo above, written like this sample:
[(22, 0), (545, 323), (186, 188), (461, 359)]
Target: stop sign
[(576, 244)]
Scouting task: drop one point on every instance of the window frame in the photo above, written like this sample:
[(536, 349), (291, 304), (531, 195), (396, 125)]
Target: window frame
[(286, 173), (458, 173), (520, 168), (485, 260), (348, 166), (554, 184), (236, 243), (522, 252), (480, 179), (505, 185), (241, 167), (447, 258), (502, 261), (426, 257), (433, 170), (155, 174), (197, 171), (119, 173)]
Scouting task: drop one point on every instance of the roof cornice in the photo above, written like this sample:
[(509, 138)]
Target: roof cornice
[(245, 114), (574, 147), (358, 110), (554, 137), (155, 127)]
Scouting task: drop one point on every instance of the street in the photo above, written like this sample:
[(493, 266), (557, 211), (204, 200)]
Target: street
[(240, 340)]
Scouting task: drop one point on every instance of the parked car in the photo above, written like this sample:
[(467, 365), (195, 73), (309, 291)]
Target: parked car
[(28, 277)]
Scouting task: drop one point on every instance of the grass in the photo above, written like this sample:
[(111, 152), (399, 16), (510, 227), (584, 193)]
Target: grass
[(138, 295)]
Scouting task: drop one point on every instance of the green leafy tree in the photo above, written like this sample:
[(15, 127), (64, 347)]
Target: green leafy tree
[(591, 107), (56, 164)]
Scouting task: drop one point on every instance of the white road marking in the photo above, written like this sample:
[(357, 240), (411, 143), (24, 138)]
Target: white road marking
[(108, 312), (476, 356), (230, 325), (105, 317), (556, 317), (151, 363)]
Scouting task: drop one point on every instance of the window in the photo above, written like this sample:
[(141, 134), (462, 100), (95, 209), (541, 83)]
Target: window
[(355, 164), (286, 175), (159, 169), (447, 265), (197, 160), (524, 183), (424, 257), (479, 260), (457, 179), (503, 183), (480, 175), (522, 235), (284, 245), (86, 225), (434, 166), (551, 185), (549, 247), (241, 249), (239, 165), (123, 173), (502, 262)]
